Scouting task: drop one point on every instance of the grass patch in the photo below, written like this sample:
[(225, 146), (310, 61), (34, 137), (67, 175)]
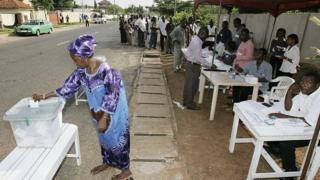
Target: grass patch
[(61, 25), (6, 31)]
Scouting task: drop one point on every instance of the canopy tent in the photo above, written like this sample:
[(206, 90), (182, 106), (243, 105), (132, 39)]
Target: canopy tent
[(274, 7)]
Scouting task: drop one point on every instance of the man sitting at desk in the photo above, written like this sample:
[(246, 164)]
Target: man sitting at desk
[(258, 68), (193, 68), (302, 101)]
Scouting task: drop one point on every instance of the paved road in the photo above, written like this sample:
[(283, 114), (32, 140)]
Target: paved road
[(40, 64)]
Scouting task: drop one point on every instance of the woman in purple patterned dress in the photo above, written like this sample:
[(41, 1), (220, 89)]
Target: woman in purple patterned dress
[(107, 101)]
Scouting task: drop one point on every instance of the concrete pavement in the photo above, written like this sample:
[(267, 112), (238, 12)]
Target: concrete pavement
[(154, 152)]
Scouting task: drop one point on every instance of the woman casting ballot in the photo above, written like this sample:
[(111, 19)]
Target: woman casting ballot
[(106, 96)]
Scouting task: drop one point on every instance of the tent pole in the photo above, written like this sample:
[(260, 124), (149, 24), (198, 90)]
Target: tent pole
[(266, 32), (216, 34), (270, 39), (311, 149)]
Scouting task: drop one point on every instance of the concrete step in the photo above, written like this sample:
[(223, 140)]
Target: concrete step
[(150, 110), (151, 82), (158, 170), (150, 76), (154, 66), (151, 70), (147, 89), (151, 63), (151, 126), (151, 53), (147, 59), (153, 148), (151, 99)]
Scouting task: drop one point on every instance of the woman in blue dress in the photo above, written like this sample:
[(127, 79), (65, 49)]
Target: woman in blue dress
[(106, 96)]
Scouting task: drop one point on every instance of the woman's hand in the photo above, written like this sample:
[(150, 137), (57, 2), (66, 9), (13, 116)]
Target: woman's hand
[(38, 97), (103, 123), (238, 68)]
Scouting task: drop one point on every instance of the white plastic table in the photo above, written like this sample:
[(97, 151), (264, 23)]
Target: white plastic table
[(222, 79), (41, 163), (252, 114)]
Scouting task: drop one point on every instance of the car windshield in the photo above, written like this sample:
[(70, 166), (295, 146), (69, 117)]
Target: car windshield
[(31, 23)]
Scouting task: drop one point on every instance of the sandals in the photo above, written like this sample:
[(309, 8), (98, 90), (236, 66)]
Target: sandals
[(124, 175)]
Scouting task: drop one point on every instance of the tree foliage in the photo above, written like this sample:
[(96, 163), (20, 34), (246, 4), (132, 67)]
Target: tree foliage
[(113, 8), (95, 6), (63, 4), (166, 7), (134, 10), (46, 4)]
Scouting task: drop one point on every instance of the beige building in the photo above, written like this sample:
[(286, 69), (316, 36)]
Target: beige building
[(14, 12)]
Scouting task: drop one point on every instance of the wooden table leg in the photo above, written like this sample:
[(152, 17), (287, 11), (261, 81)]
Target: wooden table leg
[(214, 101), (202, 83), (255, 159), (255, 93), (234, 133)]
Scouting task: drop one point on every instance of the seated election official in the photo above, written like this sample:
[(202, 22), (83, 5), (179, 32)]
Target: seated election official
[(193, 68), (258, 68), (302, 101)]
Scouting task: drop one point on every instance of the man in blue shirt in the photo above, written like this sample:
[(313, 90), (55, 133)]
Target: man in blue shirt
[(225, 34), (258, 68)]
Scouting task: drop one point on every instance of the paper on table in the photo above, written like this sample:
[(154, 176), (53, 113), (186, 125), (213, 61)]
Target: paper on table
[(291, 122), (292, 125), (220, 65)]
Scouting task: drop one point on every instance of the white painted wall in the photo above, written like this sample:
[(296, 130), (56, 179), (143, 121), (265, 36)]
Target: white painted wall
[(74, 16), (261, 26), (39, 15), (7, 19)]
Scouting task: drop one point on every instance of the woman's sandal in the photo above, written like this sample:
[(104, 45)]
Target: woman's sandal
[(99, 169), (123, 176)]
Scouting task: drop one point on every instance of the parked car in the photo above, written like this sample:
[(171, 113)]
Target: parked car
[(107, 18), (34, 27), (97, 19)]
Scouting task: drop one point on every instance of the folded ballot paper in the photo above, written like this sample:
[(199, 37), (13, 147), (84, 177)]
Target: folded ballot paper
[(258, 116), (292, 125)]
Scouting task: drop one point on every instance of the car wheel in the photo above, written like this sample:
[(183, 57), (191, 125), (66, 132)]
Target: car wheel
[(50, 31), (38, 33)]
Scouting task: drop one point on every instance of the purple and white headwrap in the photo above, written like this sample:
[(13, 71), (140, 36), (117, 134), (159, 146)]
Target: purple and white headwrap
[(83, 46)]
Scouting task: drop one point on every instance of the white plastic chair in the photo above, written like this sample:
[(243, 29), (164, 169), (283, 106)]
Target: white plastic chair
[(78, 95), (279, 92)]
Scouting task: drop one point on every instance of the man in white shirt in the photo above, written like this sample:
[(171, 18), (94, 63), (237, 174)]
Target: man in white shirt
[(212, 31), (193, 68), (291, 57), (196, 27), (302, 101), (140, 23), (163, 33)]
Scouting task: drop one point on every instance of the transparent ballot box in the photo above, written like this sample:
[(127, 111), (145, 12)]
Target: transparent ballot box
[(36, 124)]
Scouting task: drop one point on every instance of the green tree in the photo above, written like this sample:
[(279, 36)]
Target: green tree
[(75, 5), (181, 15), (68, 4), (166, 7), (46, 4), (134, 10), (63, 4), (114, 9), (95, 4)]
